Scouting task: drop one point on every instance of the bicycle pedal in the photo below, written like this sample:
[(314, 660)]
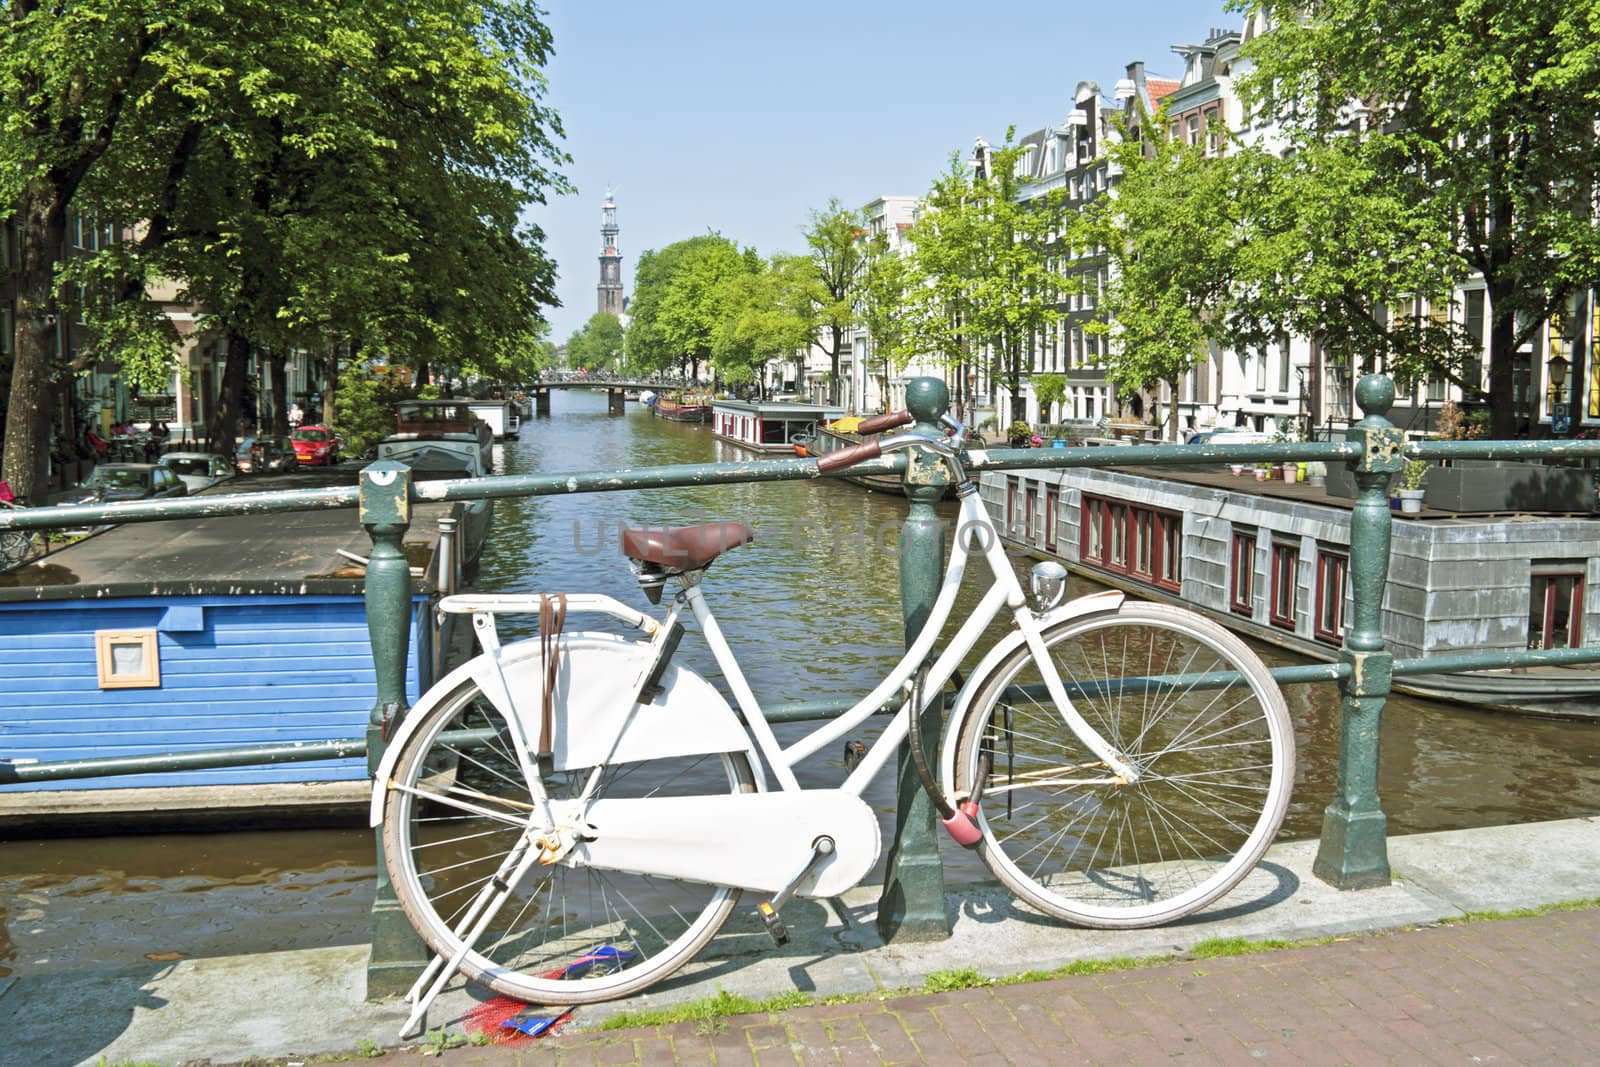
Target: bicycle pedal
[(854, 753), (775, 928)]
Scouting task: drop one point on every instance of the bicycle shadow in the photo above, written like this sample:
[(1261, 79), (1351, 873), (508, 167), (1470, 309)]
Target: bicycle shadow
[(74, 1017)]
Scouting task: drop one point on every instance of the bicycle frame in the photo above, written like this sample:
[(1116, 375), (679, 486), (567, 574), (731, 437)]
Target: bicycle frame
[(973, 525)]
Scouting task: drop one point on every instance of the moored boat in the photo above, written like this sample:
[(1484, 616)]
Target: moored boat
[(443, 439), (682, 407), (1272, 562), (769, 426), (500, 415)]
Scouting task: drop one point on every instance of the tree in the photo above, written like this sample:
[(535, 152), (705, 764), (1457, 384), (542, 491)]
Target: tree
[(882, 308), (769, 314), (597, 344), (983, 253), (834, 238), (676, 303), (1478, 120), (351, 171), (1172, 238)]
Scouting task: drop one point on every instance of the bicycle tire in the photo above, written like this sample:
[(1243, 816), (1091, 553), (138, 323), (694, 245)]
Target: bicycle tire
[(612, 935), (1215, 768)]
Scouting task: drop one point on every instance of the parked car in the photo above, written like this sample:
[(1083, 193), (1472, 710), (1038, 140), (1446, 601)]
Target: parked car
[(197, 470), (315, 445), (1230, 436), (265, 455), (131, 481)]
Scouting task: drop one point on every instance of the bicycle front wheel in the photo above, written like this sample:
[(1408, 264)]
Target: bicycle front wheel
[(1189, 707), (459, 805), (14, 547)]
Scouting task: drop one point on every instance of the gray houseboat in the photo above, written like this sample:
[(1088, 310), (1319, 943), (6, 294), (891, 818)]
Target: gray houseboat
[(1271, 560)]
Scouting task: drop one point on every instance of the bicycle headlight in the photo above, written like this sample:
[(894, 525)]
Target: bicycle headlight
[(1048, 585)]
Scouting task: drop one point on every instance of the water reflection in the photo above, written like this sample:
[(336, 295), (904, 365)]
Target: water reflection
[(812, 609)]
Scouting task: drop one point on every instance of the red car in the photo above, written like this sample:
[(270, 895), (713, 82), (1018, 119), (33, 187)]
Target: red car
[(315, 445)]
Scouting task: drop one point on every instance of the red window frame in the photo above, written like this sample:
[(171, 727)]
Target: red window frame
[(1052, 502), (1333, 572), (1011, 503), (1285, 584), (1242, 580), (1544, 597), (1142, 542)]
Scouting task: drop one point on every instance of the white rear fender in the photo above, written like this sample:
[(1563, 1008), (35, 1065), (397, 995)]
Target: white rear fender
[(596, 718), (1094, 603)]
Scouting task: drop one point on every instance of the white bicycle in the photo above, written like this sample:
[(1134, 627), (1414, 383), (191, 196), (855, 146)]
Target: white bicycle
[(572, 817)]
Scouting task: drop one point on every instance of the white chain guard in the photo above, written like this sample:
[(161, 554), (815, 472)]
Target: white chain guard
[(750, 840)]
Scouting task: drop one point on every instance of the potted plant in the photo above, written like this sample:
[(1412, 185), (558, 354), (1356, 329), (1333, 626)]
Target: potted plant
[(1316, 473), (1412, 476), (1018, 434)]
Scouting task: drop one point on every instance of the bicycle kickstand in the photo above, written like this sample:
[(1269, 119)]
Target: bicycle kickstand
[(821, 849)]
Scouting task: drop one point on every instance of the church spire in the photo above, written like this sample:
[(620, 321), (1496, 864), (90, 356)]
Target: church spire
[(609, 291)]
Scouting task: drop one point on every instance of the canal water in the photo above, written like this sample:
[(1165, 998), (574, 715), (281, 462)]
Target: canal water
[(811, 607)]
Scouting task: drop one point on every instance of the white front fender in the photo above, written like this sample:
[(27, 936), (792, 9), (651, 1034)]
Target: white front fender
[(1109, 600), (596, 719)]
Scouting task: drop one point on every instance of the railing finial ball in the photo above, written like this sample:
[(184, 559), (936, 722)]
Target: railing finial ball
[(1375, 394), (927, 398)]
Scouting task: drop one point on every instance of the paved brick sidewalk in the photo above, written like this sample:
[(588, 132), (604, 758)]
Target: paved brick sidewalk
[(1505, 991)]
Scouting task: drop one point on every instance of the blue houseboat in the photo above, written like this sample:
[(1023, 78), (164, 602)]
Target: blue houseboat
[(211, 633)]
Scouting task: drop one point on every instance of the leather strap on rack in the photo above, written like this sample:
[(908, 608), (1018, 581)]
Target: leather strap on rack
[(552, 617)]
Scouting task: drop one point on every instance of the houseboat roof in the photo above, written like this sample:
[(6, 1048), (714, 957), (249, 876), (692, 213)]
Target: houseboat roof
[(778, 409), (283, 554)]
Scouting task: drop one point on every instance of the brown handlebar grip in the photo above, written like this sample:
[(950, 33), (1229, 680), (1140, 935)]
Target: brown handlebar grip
[(880, 423), (845, 457)]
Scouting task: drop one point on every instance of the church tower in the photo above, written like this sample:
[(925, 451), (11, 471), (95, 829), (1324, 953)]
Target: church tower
[(610, 289)]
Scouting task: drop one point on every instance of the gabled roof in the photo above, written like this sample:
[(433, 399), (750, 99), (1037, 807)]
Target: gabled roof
[(1160, 88)]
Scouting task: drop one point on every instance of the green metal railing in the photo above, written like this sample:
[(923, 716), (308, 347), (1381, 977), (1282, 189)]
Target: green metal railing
[(1353, 848)]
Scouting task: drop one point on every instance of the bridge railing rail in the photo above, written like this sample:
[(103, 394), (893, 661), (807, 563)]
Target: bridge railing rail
[(1353, 846)]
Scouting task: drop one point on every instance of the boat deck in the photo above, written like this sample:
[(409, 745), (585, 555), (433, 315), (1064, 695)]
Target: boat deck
[(279, 554)]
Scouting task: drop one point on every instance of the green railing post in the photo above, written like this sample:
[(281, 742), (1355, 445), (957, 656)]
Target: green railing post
[(911, 907), (1353, 853), (398, 955)]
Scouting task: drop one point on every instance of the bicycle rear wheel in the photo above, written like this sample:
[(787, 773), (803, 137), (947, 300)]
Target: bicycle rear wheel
[(457, 807), (1214, 760)]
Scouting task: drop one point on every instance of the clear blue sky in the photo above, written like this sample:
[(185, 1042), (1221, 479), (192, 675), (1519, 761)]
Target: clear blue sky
[(744, 117)]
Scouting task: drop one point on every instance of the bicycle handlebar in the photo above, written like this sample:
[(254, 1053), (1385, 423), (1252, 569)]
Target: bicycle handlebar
[(887, 421), (846, 457)]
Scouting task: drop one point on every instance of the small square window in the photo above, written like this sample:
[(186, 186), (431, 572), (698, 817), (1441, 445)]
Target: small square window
[(127, 659)]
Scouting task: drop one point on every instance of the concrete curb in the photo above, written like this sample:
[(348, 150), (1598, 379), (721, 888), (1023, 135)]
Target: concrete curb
[(310, 1002)]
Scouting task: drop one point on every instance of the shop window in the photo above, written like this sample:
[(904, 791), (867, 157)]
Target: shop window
[(1333, 571)]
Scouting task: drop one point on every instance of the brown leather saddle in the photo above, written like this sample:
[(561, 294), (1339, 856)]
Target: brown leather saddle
[(676, 549)]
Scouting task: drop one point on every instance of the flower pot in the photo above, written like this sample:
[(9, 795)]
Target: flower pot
[(1411, 501), (1261, 474), (1236, 468), (1316, 481), (1291, 471)]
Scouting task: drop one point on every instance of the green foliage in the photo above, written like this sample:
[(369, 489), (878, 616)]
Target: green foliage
[(677, 303), (440, 1040), (961, 978), (365, 406), (837, 254), (1415, 473), (1018, 434), (768, 313), (1050, 389), (722, 1004), (883, 306), (597, 344), (1459, 141), (982, 277)]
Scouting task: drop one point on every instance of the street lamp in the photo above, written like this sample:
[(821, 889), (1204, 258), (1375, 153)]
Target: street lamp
[(1557, 366)]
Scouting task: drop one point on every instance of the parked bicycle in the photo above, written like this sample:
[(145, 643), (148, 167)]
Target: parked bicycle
[(15, 545), (572, 817)]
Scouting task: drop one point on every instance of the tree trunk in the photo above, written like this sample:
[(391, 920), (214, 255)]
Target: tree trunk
[(1502, 371), (330, 384), (833, 380), (1019, 404), (276, 361), (34, 384), (223, 429)]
